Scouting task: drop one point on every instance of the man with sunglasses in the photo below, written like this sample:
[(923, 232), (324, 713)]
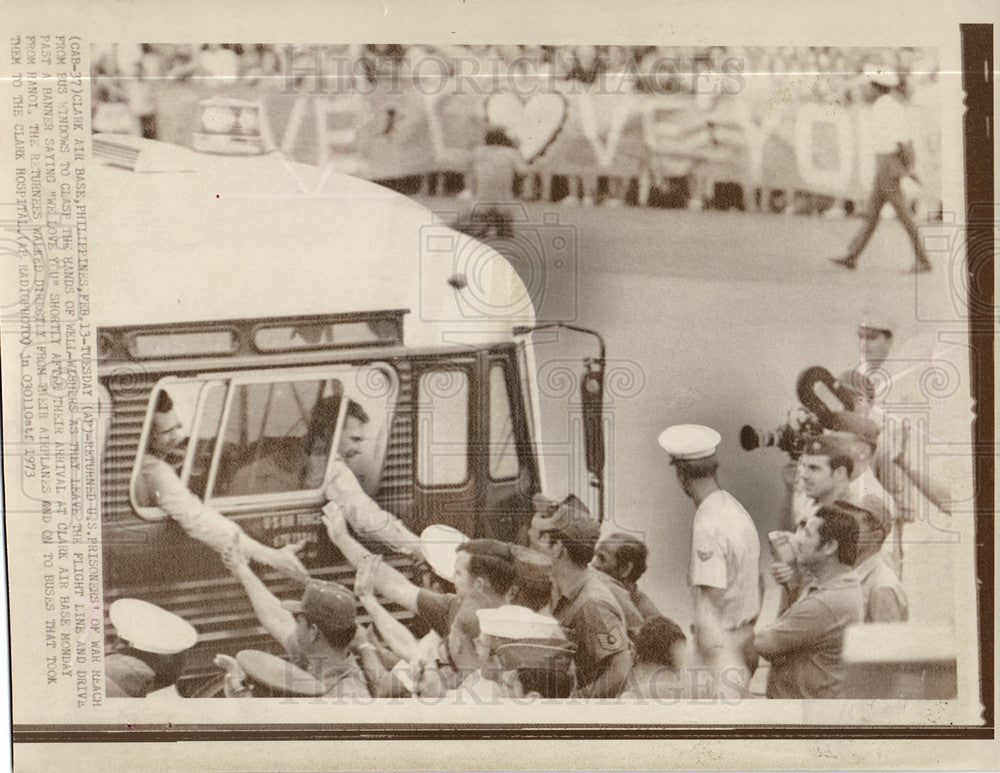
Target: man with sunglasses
[(567, 533)]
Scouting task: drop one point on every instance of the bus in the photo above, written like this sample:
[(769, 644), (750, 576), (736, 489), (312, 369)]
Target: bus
[(252, 290)]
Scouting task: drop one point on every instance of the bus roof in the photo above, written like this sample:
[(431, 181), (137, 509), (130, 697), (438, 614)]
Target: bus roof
[(179, 236)]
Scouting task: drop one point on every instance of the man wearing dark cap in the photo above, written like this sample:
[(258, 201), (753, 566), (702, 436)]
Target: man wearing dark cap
[(805, 643), (485, 571), (725, 550), (316, 631), (160, 493), (567, 533)]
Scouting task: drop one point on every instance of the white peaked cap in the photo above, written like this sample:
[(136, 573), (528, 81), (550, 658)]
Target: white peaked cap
[(689, 441), (514, 622), (439, 544), (149, 628)]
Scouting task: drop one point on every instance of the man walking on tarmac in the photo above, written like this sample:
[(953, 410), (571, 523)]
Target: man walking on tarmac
[(893, 163)]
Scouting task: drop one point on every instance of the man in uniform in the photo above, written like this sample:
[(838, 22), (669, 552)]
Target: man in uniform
[(160, 494), (875, 334), (485, 571), (567, 533), (316, 631), (620, 560), (805, 643), (893, 162), (725, 550), (884, 598), (152, 657)]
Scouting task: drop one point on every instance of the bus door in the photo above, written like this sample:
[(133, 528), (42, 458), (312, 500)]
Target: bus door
[(504, 456)]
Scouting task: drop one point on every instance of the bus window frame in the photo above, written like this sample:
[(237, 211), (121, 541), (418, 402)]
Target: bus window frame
[(510, 390), (469, 371), (234, 378)]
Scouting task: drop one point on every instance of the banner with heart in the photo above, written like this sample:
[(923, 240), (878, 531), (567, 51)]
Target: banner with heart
[(533, 123)]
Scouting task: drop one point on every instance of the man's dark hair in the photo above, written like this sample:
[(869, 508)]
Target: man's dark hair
[(837, 455), (336, 637), (840, 523), (492, 560), (696, 469), (655, 640), (533, 594), (547, 682), (355, 410), (630, 549), (167, 669), (163, 402)]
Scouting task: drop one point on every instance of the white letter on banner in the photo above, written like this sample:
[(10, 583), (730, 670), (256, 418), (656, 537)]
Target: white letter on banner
[(828, 180), (756, 136)]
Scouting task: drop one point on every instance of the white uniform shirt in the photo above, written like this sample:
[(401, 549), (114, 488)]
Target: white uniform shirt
[(889, 124), (725, 553)]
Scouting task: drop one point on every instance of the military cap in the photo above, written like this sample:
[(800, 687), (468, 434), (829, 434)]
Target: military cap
[(149, 628), (439, 544), (274, 677), (687, 442), (325, 602), (569, 516)]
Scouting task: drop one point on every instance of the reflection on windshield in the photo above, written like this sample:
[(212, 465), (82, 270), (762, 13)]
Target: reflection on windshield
[(249, 438)]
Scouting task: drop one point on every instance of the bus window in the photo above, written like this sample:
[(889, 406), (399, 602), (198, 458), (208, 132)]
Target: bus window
[(443, 428), (503, 448), (173, 413), (269, 433), (204, 433), (279, 436)]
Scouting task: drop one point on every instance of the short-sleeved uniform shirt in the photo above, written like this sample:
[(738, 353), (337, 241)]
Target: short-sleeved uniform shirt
[(438, 610), (342, 679), (633, 617), (592, 620), (884, 597), (725, 554), (805, 643)]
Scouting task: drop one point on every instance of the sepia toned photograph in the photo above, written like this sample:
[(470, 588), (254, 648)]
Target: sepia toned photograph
[(425, 390)]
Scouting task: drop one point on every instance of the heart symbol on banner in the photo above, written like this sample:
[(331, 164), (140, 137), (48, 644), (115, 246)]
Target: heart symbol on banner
[(533, 124)]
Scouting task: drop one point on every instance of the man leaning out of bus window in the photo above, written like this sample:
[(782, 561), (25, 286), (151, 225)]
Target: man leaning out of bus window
[(361, 511), (158, 486)]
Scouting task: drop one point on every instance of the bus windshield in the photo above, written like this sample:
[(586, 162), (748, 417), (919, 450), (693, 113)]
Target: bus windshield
[(230, 436)]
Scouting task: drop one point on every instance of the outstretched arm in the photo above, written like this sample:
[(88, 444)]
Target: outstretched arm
[(278, 621), (208, 525), (364, 514), (388, 581), (395, 634)]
